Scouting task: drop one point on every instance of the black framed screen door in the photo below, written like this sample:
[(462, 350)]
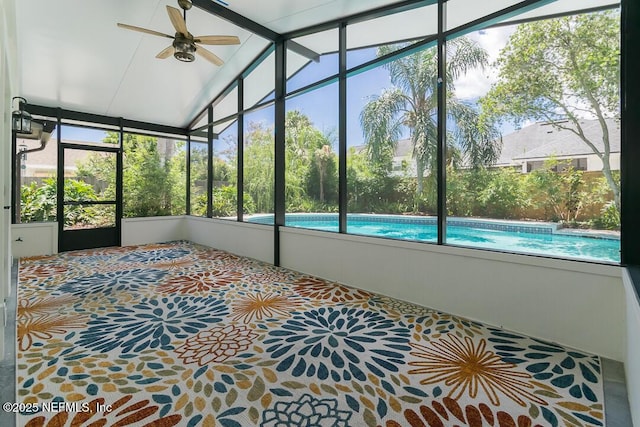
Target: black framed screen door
[(87, 180)]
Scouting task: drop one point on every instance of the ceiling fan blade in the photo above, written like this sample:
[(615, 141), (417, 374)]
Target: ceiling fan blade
[(209, 56), (217, 40), (143, 30), (177, 20), (166, 52)]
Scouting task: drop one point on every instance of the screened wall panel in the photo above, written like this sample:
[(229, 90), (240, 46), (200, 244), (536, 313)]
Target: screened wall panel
[(226, 106), (311, 159), (391, 139), (395, 31), (154, 176), (38, 175), (225, 168), (84, 134), (534, 142), (259, 156), (259, 84), (460, 12), (198, 177), (302, 71), (499, 184)]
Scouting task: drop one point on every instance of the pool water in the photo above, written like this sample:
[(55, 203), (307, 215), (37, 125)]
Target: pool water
[(395, 227)]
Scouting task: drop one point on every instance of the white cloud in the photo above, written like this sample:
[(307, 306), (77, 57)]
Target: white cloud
[(477, 82)]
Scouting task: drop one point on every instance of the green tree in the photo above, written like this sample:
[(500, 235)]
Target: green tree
[(562, 70), (411, 104), (258, 166), (499, 193), (38, 203), (198, 178), (370, 191), (561, 188), (311, 165), (323, 168), (153, 175)]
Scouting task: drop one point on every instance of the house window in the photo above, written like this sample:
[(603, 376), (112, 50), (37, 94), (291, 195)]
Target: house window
[(580, 164)]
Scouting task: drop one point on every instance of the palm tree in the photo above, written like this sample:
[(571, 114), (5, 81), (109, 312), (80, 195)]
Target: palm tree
[(412, 102)]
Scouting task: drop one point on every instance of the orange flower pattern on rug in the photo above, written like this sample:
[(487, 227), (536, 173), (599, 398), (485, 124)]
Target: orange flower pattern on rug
[(468, 368), (311, 287), (120, 415), (180, 334), (41, 271), (199, 282), (45, 327), (216, 345), (39, 306), (174, 264), (258, 306), (449, 411)]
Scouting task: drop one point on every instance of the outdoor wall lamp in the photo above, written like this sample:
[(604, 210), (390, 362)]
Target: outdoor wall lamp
[(20, 119)]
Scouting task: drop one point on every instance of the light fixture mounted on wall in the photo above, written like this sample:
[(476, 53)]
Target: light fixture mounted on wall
[(20, 119)]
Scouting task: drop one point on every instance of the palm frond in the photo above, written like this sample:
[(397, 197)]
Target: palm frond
[(381, 122), (463, 55), (477, 138)]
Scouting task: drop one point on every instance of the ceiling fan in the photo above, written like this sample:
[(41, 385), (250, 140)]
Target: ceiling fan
[(184, 43)]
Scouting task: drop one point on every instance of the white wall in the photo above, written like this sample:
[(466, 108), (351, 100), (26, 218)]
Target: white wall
[(632, 353), (41, 238), (140, 231), (251, 240), (36, 238), (594, 163), (577, 304)]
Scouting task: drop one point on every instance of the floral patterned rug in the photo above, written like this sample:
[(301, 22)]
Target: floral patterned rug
[(179, 334)]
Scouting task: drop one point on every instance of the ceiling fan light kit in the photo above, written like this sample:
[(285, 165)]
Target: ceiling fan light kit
[(184, 49), (184, 44)]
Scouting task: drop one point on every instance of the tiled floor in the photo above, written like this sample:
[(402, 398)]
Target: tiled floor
[(616, 403)]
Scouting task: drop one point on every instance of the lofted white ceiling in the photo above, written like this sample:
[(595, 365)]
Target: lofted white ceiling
[(72, 54)]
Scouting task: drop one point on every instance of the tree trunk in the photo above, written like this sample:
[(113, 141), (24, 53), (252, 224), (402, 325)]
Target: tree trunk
[(419, 177), (321, 173), (613, 185)]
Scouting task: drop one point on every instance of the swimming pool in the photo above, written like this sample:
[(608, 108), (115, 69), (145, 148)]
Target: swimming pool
[(510, 236)]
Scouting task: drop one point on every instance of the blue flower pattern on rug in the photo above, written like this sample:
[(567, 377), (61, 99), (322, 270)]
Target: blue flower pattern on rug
[(108, 283), (152, 323), (154, 255), (326, 342), (306, 412)]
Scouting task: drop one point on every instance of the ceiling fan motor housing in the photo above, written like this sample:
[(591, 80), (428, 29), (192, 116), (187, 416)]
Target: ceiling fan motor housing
[(184, 4)]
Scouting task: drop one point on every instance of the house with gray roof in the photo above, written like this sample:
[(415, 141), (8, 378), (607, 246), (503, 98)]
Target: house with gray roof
[(528, 148)]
